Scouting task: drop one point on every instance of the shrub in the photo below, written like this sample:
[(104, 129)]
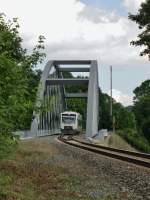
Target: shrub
[(135, 139), (7, 146)]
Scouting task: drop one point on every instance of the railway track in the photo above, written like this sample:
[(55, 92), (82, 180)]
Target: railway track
[(139, 159)]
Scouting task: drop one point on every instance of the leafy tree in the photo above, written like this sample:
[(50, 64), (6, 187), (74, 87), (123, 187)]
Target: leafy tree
[(105, 121), (13, 89), (146, 128), (142, 108), (142, 113), (10, 41), (18, 78), (124, 118), (142, 91), (142, 18)]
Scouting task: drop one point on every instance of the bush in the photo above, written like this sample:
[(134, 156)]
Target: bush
[(7, 146), (146, 128), (135, 139)]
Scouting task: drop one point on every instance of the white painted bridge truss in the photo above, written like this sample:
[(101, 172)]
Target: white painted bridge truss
[(51, 96)]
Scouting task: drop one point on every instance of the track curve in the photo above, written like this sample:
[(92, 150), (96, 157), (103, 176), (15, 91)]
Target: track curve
[(140, 159)]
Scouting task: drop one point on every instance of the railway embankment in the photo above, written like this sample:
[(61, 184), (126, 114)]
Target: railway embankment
[(47, 169), (112, 140)]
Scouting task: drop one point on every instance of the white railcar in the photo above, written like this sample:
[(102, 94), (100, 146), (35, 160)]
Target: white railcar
[(71, 122)]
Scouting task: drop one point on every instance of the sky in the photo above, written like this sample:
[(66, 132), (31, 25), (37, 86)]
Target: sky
[(86, 29)]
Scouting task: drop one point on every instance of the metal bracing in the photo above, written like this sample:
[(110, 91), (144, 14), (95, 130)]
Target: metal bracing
[(62, 90), (76, 95), (51, 96), (40, 97)]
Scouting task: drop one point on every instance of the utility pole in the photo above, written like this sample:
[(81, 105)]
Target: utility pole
[(111, 101), (111, 91)]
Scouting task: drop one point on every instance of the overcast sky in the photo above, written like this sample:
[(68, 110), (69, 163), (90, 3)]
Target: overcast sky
[(86, 29)]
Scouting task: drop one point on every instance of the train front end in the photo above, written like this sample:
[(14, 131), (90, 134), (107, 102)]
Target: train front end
[(69, 122)]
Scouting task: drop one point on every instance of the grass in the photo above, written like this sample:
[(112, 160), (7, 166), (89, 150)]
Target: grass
[(31, 174), (116, 141)]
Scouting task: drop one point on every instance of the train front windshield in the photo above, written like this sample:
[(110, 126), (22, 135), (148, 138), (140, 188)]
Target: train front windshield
[(66, 119)]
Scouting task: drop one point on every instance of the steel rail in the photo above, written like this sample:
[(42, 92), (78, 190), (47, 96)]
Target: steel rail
[(132, 153), (108, 153)]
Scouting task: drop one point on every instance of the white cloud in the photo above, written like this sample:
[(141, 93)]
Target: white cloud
[(97, 15), (74, 30), (125, 99), (132, 5)]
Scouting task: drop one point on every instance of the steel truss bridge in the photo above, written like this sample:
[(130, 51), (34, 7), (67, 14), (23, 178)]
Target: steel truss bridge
[(51, 96)]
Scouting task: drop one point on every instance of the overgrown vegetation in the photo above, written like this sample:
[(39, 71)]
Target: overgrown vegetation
[(141, 108), (123, 118), (7, 146), (138, 135), (132, 124), (18, 81), (135, 139)]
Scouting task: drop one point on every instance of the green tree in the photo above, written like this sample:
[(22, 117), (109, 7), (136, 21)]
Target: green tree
[(10, 41), (124, 118), (142, 91), (142, 113), (142, 18), (18, 78), (105, 121), (142, 108)]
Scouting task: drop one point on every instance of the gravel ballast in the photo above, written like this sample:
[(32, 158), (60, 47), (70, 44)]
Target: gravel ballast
[(103, 177)]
